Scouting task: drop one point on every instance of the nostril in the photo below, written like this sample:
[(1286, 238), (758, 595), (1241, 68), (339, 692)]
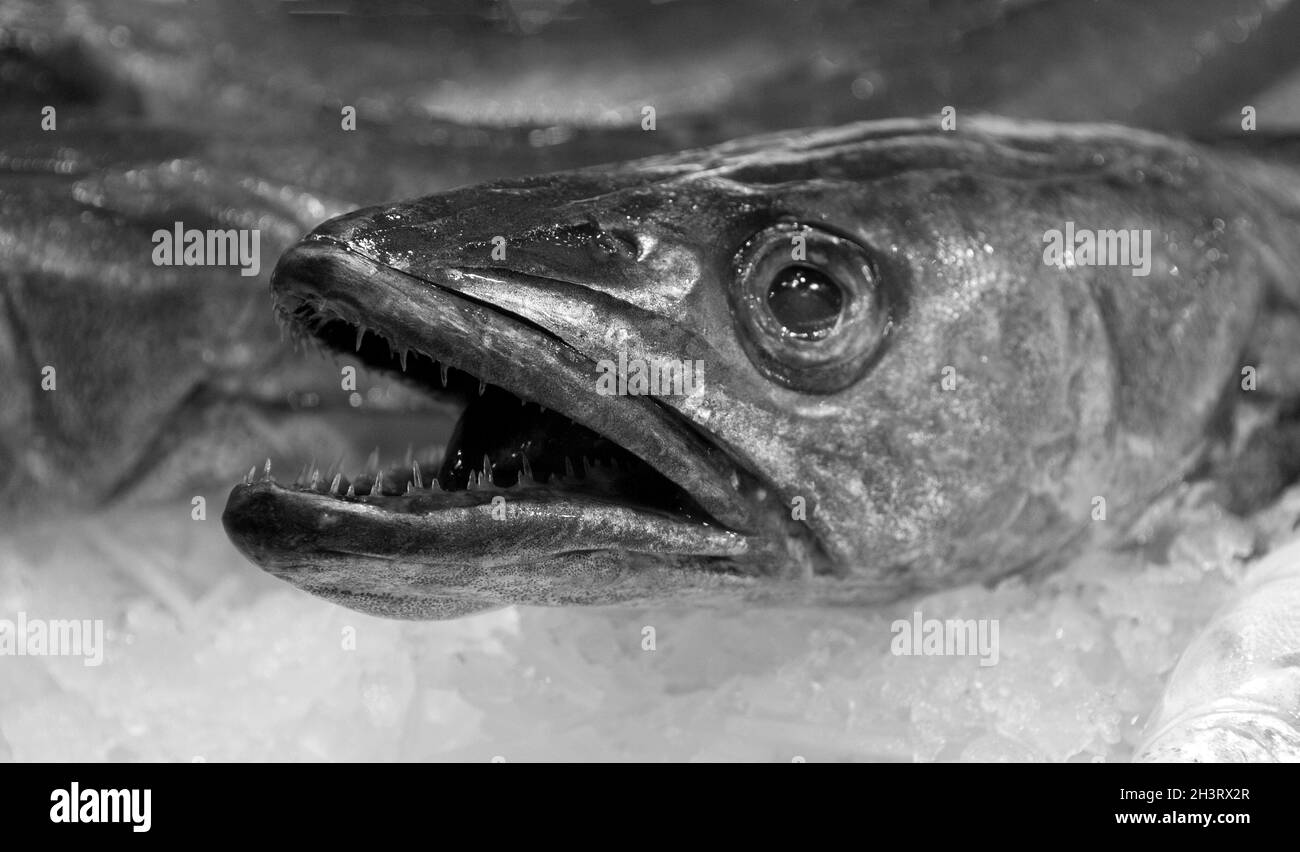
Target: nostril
[(630, 245), (611, 244), (606, 243)]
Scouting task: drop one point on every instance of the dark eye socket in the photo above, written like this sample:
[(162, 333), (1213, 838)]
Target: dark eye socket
[(805, 301), (809, 305)]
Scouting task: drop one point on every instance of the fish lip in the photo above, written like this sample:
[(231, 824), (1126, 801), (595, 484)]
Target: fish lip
[(331, 278), (357, 528)]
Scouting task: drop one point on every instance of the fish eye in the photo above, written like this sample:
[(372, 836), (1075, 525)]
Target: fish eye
[(804, 301), (809, 305)]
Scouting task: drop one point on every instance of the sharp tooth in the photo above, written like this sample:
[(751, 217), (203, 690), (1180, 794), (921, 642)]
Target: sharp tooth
[(315, 479), (361, 333), (487, 468), (482, 387), (435, 485), (252, 472), (528, 468), (410, 487), (402, 359), (442, 372), (569, 472), (472, 483), (352, 491), (415, 473), (266, 471), (334, 486), (374, 486)]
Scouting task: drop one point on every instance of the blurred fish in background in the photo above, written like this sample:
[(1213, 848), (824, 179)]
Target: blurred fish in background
[(171, 380)]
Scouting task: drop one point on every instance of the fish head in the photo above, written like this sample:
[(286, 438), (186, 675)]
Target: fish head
[(889, 389)]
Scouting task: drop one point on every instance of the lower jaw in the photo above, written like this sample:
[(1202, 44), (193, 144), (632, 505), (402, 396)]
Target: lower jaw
[(443, 554), (486, 525), (397, 588)]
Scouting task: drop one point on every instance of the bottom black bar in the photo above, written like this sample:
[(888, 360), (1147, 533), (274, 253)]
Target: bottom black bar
[(140, 802)]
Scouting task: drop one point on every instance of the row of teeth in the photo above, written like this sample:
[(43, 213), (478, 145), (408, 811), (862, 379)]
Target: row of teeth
[(594, 471), (444, 371), (310, 478), (300, 334), (301, 337)]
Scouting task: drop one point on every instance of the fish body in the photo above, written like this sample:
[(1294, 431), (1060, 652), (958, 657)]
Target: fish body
[(903, 387)]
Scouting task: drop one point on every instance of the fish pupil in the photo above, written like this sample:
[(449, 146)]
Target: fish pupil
[(806, 302)]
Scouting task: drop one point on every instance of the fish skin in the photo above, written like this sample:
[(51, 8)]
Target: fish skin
[(1235, 694), (1072, 384)]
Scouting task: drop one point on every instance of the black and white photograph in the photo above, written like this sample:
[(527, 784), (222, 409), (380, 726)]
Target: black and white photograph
[(650, 381)]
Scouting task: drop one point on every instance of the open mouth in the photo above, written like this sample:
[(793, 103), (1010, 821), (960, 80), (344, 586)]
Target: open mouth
[(500, 441), (539, 464)]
